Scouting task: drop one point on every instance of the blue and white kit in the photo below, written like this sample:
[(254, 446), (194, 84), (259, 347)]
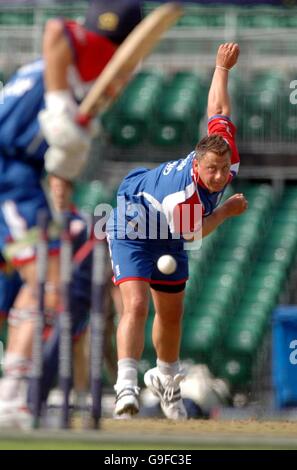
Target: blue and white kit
[(22, 146), (149, 200)]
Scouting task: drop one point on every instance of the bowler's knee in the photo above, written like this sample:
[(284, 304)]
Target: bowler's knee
[(136, 307)]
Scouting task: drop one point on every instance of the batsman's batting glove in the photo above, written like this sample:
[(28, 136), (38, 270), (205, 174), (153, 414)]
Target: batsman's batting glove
[(69, 143), (57, 122), (66, 165)]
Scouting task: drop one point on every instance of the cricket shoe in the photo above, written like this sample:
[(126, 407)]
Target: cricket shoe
[(167, 389), (14, 415), (127, 401)]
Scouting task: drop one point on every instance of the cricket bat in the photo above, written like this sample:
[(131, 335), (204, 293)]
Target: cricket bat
[(133, 50)]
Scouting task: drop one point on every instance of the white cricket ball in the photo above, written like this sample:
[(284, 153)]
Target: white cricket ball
[(167, 264)]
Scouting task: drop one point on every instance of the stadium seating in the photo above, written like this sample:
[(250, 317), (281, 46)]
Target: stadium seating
[(20, 18), (167, 112), (87, 195), (128, 120), (228, 309)]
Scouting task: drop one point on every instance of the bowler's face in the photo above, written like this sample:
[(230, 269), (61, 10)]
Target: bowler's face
[(214, 170)]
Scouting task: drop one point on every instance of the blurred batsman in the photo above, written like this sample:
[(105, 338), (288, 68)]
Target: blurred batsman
[(38, 131), (187, 190)]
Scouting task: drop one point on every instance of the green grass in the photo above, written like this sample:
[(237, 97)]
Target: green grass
[(58, 445)]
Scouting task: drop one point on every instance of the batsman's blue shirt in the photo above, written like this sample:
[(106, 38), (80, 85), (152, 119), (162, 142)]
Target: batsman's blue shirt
[(22, 146)]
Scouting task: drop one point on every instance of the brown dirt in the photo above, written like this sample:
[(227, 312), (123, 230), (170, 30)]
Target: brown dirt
[(201, 427)]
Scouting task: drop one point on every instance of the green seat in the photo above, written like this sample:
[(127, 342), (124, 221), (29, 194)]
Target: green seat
[(128, 120), (270, 281), (167, 134), (214, 293), (254, 126), (290, 21), (260, 295), (289, 201), (199, 338), (283, 239), (244, 236), (252, 218), (236, 254), (285, 220), (247, 310), (270, 269), (195, 21), (235, 369), (212, 310), (280, 255), (17, 18), (254, 190), (127, 134), (227, 275), (289, 127), (258, 120), (215, 20), (140, 97), (180, 109), (244, 335), (265, 20), (87, 195)]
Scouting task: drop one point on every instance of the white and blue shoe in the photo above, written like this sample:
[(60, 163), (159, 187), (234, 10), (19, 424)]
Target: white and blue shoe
[(167, 389), (127, 401)]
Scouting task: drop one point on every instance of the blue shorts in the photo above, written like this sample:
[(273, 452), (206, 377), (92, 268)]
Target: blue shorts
[(10, 285), (137, 260)]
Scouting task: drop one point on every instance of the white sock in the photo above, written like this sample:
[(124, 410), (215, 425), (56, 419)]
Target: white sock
[(168, 368), (15, 365), (127, 373), (15, 373)]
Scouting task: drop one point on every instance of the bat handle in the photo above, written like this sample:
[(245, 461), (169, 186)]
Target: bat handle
[(83, 120)]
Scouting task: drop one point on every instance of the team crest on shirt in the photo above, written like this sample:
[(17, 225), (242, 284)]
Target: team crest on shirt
[(108, 21)]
